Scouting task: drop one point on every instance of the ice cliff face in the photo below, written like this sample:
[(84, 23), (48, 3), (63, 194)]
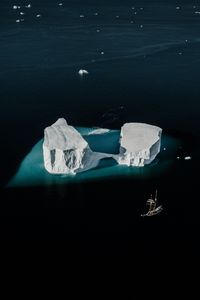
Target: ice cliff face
[(65, 151), (139, 144)]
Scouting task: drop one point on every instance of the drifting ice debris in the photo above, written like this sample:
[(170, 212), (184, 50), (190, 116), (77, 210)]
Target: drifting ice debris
[(28, 6), (82, 72), (17, 21), (14, 6), (139, 145), (99, 131), (82, 16), (60, 4), (38, 16), (188, 158), (21, 13)]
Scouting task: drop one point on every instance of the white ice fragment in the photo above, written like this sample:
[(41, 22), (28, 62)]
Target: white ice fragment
[(96, 14), (65, 151), (102, 52), (82, 16), (177, 7), (60, 4), (139, 144), (164, 149), (18, 7), (14, 6), (38, 16), (28, 6), (188, 157), (21, 13), (178, 157), (17, 21), (99, 131), (197, 12), (83, 72), (141, 26), (98, 30)]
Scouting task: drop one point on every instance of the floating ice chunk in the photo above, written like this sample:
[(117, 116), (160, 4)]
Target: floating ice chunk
[(17, 21), (177, 7), (60, 4), (21, 13), (28, 6), (65, 151), (38, 16), (14, 6), (83, 72), (178, 157), (99, 131), (98, 30), (82, 16), (102, 52), (164, 149), (197, 12), (96, 14), (139, 144), (188, 157)]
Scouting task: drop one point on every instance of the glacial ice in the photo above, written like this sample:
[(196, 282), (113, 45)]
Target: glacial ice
[(139, 144), (65, 151)]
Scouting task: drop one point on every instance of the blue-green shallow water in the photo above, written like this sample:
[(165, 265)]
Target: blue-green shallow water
[(32, 172)]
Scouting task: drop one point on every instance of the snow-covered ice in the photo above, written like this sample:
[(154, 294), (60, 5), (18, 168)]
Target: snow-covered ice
[(139, 144)]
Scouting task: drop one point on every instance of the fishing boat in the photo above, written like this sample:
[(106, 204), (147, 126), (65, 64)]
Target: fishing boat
[(154, 209)]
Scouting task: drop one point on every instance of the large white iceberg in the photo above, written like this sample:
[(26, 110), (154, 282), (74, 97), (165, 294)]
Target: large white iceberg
[(139, 144), (65, 151)]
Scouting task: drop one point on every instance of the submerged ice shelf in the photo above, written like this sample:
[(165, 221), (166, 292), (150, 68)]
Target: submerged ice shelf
[(67, 152), (31, 171)]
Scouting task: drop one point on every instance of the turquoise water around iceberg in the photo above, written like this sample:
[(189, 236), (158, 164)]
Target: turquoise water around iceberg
[(31, 171)]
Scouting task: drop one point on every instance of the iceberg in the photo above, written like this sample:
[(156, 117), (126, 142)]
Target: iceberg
[(139, 144), (65, 151)]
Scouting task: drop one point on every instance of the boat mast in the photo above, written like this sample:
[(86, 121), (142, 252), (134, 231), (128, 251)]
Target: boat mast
[(156, 194)]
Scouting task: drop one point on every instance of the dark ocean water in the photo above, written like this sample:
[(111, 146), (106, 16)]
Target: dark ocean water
[(144, 66)]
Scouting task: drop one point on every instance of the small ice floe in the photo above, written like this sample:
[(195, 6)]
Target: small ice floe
[(102, 52), (60, 4), (180, 53), (187, 157), (177, 7), (135, 12), (18, 7), (98, 30), (99, 131), (28, 6), (186, 41), (82, 72), (96, 14), (131, 22), (38, 16), (178, 157), (82, 16), (141, 26), (21, 13), (17, 21), (14, 6), (164, 149), (141, 8), (132, 7), (194, 6), (117, 16), (197, 12)]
